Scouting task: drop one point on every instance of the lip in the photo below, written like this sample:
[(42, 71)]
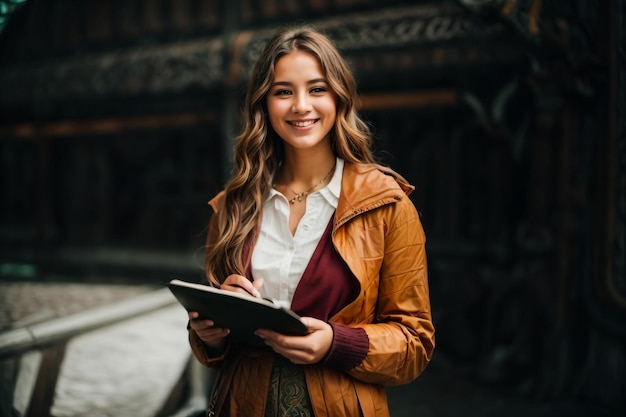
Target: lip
[(302, 124)]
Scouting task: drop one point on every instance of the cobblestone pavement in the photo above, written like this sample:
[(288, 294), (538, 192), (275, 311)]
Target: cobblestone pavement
[(24, 303)]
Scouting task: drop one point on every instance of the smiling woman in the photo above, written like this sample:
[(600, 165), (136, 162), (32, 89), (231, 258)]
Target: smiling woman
[(312, 221)]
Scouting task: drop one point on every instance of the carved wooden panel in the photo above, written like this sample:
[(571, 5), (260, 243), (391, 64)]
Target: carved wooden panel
[(396, 39)]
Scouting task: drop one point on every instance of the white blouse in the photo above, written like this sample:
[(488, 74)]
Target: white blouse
[(279, 257)]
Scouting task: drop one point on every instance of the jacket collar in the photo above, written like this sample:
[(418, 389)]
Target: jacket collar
[(366, 187)]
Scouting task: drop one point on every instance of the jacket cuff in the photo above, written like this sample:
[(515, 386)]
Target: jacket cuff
[(349, 348), (202, 353)]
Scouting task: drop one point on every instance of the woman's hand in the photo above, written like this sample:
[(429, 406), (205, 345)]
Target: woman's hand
[(243, 285), (302, 350), (213, 337)]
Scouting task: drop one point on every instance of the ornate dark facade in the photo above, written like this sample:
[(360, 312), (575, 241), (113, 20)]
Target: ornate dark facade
[(117, 119)]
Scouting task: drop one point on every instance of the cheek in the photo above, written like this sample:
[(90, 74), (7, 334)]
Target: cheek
[(331, 111), (277, 108), (274, 113), (330, 107)]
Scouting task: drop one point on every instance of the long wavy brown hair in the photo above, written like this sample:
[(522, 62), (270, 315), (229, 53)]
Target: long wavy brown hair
[(259, 150)]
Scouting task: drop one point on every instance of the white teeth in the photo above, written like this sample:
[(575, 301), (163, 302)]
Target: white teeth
[(303, 124)]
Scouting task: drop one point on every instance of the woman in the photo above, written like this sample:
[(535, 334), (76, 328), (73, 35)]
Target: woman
[(311, 220)]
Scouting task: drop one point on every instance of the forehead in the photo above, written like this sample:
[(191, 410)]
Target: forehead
[(297, 64)]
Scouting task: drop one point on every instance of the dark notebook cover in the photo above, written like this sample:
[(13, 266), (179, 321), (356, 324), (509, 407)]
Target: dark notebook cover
[(242, 314)]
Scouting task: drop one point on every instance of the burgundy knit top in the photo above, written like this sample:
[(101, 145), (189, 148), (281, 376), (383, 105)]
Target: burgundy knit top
[(326, 287)]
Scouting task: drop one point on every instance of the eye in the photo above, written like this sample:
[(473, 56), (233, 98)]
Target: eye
[(318, 90), (282, 92)]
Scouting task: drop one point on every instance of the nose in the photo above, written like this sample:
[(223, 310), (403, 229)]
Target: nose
[(301, 103)]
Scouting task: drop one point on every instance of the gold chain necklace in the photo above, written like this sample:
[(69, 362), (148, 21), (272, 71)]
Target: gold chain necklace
[(300, 196)]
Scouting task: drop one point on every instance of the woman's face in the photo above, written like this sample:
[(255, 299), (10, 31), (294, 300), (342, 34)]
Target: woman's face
[(300, 105)]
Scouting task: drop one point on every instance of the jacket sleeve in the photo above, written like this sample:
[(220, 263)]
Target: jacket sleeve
[(399, 327), (201, 352)]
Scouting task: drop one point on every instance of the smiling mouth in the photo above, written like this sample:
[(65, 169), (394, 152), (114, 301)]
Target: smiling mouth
[(302, 123)]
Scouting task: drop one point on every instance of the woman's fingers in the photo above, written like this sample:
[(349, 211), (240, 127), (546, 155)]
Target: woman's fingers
[(240, 284), (212, 334), (307, 349), (206, 330)]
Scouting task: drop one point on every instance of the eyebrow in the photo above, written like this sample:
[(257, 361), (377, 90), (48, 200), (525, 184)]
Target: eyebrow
[(313, 81)]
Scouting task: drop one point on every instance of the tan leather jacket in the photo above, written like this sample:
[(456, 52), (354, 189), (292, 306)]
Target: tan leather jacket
[(378, 233)]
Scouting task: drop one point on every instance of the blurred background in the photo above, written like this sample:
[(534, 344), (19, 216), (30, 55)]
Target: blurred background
[(117, 120)]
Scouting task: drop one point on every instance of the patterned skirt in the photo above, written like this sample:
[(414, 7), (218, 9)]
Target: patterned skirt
[(288, 395)]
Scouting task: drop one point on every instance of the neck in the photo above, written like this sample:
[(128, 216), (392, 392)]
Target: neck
[(305, 172)]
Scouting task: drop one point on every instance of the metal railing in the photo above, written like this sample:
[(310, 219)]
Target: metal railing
[(37, 350)]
